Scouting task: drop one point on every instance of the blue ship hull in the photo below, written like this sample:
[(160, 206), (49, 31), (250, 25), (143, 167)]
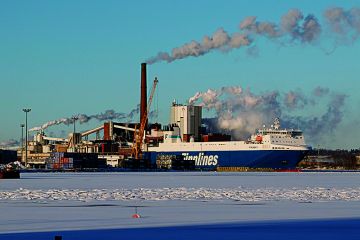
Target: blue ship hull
[(273, 159)]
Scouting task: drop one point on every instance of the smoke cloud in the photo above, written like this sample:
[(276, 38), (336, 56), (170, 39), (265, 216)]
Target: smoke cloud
[(326, 123), (220, 41), (320, 91), (344, 22), (108, 115), (239, 111), (293, 27), (9, 143), (297, 100)]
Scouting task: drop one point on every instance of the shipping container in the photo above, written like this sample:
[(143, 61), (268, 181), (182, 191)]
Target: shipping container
[(67, 161)]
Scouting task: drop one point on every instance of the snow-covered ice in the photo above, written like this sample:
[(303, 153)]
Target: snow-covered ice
[(182, 193), (55, 201)]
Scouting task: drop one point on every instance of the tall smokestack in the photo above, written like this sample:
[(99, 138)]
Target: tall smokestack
[(143, 93)]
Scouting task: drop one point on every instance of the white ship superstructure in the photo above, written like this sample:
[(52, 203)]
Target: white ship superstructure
[(268, 148)]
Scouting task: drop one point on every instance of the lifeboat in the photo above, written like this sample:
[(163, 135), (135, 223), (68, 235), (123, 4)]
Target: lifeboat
[(259, 138)]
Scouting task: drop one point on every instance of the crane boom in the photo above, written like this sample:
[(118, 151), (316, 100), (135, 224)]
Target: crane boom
[(139, 135)]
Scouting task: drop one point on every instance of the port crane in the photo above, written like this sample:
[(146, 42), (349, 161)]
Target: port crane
[(139, 135)]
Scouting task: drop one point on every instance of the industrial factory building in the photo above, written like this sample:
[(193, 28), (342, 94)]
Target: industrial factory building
[(114, 141), (110, 143), (188, 118)]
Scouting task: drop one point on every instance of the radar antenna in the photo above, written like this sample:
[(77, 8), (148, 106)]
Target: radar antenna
[(276, 123)]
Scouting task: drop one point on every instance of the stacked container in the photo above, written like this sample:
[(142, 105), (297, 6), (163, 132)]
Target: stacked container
[(69, 161)]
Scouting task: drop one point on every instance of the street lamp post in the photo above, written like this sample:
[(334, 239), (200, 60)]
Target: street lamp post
[(22, 140), (26, 110)]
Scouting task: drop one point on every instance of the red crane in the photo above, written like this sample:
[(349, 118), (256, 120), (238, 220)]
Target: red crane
[(139, 134)]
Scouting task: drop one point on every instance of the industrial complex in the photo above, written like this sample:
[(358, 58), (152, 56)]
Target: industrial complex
[(113, 142), (183, 144)]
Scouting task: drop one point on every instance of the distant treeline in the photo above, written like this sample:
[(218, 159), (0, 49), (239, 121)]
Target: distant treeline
[(340, 158), (324, 152)]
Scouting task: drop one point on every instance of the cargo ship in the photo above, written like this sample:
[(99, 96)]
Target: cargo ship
[(269, 148)]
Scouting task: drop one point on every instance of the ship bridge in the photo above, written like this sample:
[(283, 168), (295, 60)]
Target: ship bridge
[(276, 136)]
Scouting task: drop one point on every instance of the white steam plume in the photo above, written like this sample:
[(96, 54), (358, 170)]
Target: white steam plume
[(9, 143), (345, 23), (83, 118), (239, 112), (294, 27), (220, 40)]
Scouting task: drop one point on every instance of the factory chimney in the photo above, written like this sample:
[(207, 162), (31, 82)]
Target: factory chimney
[(143, 93)]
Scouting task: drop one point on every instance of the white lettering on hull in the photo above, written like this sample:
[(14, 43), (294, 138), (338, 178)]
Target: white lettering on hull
[(201, 159)]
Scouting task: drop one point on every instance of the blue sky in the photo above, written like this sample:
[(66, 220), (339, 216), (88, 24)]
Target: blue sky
[(62, 58)]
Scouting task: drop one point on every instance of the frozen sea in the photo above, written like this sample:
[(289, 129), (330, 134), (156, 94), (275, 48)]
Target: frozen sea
[(178, 204)]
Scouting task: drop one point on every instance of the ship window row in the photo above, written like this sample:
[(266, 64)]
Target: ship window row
[(280, 136), (285, 141), (297, 137)]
